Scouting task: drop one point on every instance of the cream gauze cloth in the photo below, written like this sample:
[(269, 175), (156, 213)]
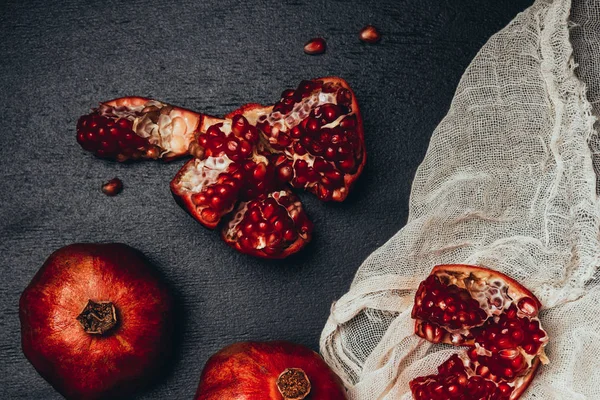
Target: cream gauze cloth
[(508, 182)]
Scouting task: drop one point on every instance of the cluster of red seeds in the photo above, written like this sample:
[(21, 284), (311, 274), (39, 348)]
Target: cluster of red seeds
[(447, 305), (109, 137), (270, 225), (332, 149), (237, 146), (243, 178), (503, 338), (452, 382)]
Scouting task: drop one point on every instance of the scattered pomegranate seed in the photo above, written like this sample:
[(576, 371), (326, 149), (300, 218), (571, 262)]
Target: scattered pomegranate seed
[(315, 46), (112, 187), (370, 34)]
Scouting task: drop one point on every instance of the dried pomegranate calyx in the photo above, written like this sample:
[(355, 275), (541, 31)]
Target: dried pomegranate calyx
[(98, 318), (293, 384)]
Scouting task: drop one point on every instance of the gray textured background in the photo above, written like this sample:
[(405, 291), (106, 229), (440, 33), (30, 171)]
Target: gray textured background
[(59, 58)]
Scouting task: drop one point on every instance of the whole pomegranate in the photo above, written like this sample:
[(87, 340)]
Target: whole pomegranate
[(96, 321), (491, 314), (268, 371)]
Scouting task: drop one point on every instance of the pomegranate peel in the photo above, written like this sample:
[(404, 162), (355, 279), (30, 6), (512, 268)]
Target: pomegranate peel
[(492, 314), (268, 371)]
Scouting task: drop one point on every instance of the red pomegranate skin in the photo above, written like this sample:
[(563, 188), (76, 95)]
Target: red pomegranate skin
[(81, 365), (249, 371)]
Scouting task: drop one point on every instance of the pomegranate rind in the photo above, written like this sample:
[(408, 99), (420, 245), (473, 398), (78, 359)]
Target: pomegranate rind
[(350, 179), (250, 108), (516, 288)]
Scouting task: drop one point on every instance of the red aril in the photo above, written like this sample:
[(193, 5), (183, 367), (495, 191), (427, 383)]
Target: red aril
[(112, 187), (268, 371), (369, 34), (495, 316), (315, 46)]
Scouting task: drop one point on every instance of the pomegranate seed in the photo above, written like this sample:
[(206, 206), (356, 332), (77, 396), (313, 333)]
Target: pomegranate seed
[(369, 34), (528, 306), (312, 125), (209, 215), (330, 112), (112, 187), (315, 46)]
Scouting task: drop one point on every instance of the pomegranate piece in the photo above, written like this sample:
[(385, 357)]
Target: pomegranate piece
[(268, 371), (112, 187), (369, 34), (96, 321), (132, 128), (315, 46), (229, 170), (495, 316), (271, 226), (317, 130)]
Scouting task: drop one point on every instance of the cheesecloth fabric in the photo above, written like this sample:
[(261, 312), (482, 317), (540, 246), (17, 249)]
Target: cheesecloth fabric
[(508, 182)]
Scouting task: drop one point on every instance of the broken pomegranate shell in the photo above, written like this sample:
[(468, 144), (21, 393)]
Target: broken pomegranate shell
[(132, 128), (268, 371), (492, 314), (96, 321), (271, 226)]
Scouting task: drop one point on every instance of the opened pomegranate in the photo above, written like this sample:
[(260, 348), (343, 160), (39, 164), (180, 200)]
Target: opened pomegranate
[(139, 128), (268, 371), (312, 138), (491, 314), (96, 321)]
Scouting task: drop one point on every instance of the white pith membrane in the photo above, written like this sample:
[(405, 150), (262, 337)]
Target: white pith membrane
[(169, 128), (203, 173), (495, 296)]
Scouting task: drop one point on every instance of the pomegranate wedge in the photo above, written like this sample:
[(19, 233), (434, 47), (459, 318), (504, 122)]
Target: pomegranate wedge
[(495, 316), (139, 128), (271, 226)]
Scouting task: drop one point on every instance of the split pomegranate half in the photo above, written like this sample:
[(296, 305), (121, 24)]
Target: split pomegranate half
[(491, 314)]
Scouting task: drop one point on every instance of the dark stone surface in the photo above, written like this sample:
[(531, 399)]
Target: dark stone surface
[(59, 58)]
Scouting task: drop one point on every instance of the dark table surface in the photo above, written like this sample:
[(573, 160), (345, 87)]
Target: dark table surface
[(59, 58)]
